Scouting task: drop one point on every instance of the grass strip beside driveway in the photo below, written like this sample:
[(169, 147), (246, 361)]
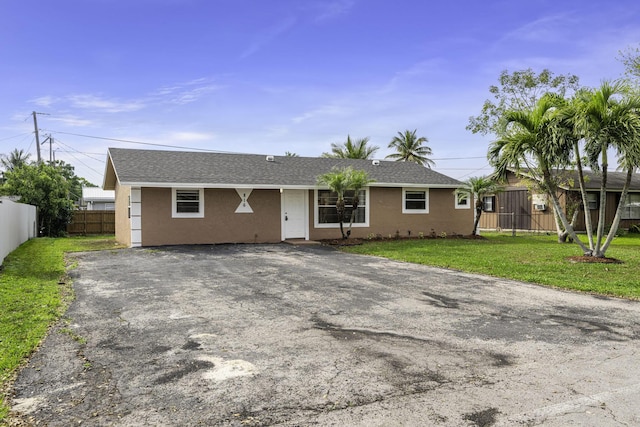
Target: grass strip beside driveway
[(33, 294), (530, 258)]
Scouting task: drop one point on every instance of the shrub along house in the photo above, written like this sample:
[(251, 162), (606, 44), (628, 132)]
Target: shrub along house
[(177, 197), (520, 208)]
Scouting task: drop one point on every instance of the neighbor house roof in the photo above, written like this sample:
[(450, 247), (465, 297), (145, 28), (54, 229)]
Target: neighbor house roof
[(97, 194), (155, 168), (593, 179)]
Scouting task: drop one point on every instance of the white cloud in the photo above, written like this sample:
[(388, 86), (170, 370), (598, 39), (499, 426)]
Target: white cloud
[(331, 9), (548, 29), (44, 101), (70, 120), (191, 136), (269, 35), (185, 92), (93, 102), (326, 110)]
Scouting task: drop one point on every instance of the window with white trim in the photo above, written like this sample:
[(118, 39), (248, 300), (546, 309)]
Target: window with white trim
[(415, 200), (327, 214), (592, 200), (631, 209), (463, 200), (187, 203), (489, 203)]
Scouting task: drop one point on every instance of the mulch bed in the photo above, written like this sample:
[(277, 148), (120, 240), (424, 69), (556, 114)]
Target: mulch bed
[(593, 259), (352, 241)]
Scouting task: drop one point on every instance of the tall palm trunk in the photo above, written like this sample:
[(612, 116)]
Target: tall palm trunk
[(583, 192), (618, 215), (603, 204), (551, 191), (354, 210), (479, 206), (340, 210)]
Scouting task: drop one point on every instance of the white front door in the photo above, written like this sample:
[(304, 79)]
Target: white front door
[(294, 217)]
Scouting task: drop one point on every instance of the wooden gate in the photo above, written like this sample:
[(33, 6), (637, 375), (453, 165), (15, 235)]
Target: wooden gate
[(92, 222)]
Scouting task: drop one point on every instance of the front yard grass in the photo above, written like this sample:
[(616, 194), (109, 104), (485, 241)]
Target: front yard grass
[(34, 293), (529, 258)]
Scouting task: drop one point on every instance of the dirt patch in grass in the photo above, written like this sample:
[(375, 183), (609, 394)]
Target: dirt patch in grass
[(593, 259)]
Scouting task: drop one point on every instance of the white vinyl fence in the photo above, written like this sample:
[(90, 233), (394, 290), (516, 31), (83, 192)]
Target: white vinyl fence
[(17, 225)]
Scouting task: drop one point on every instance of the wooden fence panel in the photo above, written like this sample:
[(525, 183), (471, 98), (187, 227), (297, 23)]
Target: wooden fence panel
[(92, 222)]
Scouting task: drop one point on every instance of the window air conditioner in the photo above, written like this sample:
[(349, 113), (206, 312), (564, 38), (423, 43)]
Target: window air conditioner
[(540, 206)]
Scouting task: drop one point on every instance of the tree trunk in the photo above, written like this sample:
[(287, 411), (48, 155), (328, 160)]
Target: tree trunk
[(616, 218), (551, 191), (603, 204), (477, 220), (340, 210), (355, 203), (583, 193)]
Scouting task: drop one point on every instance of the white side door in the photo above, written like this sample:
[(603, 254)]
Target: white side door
[(294, 214)]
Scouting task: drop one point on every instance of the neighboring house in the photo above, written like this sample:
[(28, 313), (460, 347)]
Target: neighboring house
[(176, 197), (526, 210), (97, 199)]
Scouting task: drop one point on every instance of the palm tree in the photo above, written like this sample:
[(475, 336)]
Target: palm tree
[(532, 139), (356, 181), (410, 148), (357, 149), (479, 187), (14, 160), (337, 181), (608, 117)]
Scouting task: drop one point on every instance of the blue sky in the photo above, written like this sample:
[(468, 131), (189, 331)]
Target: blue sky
[(270, 76)]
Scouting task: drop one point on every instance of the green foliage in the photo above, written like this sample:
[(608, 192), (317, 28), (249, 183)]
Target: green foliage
[(357, 149), (46, 187), (519, 90), (75, 182), (410, 148), (630, 58), (530, 258), (34, 292), (339, 180), (14, 160), (479, 187)]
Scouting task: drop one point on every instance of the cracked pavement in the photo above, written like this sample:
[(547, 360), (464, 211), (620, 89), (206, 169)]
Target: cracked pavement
[(237, 335)]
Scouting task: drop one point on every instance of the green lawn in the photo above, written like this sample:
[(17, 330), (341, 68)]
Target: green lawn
[(34, 292), (530, 258)]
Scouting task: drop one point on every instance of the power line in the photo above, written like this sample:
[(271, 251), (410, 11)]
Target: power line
[(15, 136), (141, 143), (460, 158), (79, 161)]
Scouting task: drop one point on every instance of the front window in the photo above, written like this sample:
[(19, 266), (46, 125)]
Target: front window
[(188, 203), (631, 209), (592, 200), (462, 200), (415, 200), (326, 212)]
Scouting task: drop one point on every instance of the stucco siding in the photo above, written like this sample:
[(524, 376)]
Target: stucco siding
[(123, 223), (386, 217), (220, 223)]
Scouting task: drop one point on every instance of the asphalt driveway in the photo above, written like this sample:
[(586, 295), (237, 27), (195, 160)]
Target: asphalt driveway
[(247, 335)]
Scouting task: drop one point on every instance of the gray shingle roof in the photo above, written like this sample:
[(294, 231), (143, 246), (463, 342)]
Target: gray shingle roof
[(593, 179), (155, 167)]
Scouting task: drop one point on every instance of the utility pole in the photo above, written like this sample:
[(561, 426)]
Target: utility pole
[(35, 125), (50, 149)]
